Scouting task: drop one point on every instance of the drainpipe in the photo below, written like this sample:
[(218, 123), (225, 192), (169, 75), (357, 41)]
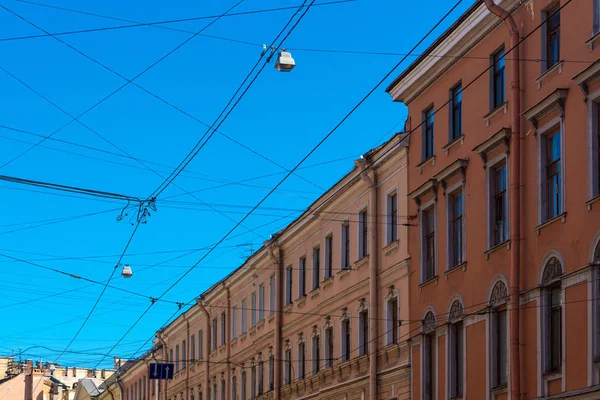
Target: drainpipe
[(206, 345), (228, 343), (276, 259), (515, 199), (185, 357), (373, 296)]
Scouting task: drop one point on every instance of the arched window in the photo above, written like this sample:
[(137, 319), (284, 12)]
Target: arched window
[(456, 349), (428, 351), (552, 315), (498, 334)]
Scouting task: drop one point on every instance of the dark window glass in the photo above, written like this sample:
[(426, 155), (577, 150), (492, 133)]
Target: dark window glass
[(500, 205), (501, 347), (317, 354), (288, 285), (364, 234), (271, 372), (553, 176), (429, 243), (498, 79), (428, 366), (456, 383), (393, 210), (553, 37), (554, 334), (346, 244), (456, 229), (301, 361), (456, 128), (395, 323), (302, 277), (364, 318), (428, 133), (328, 256), (347, 340), (316, 267)]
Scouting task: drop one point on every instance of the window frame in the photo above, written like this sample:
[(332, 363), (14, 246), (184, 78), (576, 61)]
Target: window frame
[(328, 256), (261, 302), (494, 195), (428, 134), (329, 347), (548, 32), (316, 267), (553, 346), (426, 247), (272, 295), (345, 245), (287, 376), (392, 217), (363, 233), (192, 348), (243, 385), (271, 372), (497, 72), (223, 328), (302, 277), (253, 302), (554, 128), (301, 360), (429, 357), (593, 139), (456, 359), (214, 335), (244, 312), (200, 344), (456, 240), (346, 339), (289, 285), (363, 332), (316, 353), (392, 305), (233, 387), (456, 92)]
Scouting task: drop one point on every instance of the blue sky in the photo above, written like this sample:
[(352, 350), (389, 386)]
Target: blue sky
[(282, 117)]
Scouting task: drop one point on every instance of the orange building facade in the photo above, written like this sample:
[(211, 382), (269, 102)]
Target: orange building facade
[(319, 311), (503, 176)]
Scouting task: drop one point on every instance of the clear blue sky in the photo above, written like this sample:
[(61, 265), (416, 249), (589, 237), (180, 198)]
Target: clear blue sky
[(283, 116)]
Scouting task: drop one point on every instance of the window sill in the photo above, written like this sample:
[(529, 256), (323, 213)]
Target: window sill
[(233, 341), (497, 247), (453, 142), (260, 323), (462, 266), (553, 375), (343, 272), (315, 293), (243, 337), (270, 317), (423, 163), (592, 40), (556, 67), (499, 389), (288, 307), (502, 107), (327, 282), (592, 201), (560, 217), (390, 247), (252, 331), (362, 262), (428, 282), (301, 301)]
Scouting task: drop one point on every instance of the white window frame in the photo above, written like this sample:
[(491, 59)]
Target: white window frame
[(345, 239), (316, 267), (253, 311), (261, 302), (272, 295), (301, 372), (425, 207), (200, 344), (361, 251), (363, 345), (344, 334), (450, 354), (302, 277), (315, 342), (542, 132), (234, 322), (389, 237), (490, 170), (593, 118), (458, 188), (289, 285), (192, 348), (328, 333), (214, 335), (393, 296), (244, 312), (434, 357)]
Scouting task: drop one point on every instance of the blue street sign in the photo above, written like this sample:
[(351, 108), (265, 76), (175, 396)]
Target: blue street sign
[(161, 371)]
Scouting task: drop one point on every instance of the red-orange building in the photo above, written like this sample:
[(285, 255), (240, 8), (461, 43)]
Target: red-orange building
[(503, 174)]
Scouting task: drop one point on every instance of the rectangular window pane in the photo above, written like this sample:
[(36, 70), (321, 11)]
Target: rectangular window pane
[(553, 175), (456, 109), (428, 135), (234, 322), (272, 295), (302, 277), (244, 311), (500, 210), (498, 79), (223, 328), (392, 207), (345, 246), (200, 344), (316, 354), (261, 302), (428, 244), (288, 285), (253, 310), (552, 37), (364, 234), (501, 348), (456, 229), (456, 373), (328, 256), (316, 264)]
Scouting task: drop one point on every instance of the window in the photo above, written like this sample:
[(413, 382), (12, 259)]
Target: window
[(253, 381), (553, 327), (392, 217), (287, 378), (363, 333), (192, 349), (456, 113), (288, 285), (596, 304), (345, 246), (329, 347), (233, 322), (316, 267), (223, 328), (213, 338), (428, 228), (456, 359), (244, 312), (233, 388), (301, 360), (552, 168), (316, 354), (214, 390), (427, 141), (429, 363), (597, 152), (363, 233), (498, 85), (176, 358), (499, 346), (253, 310), (499, 205), (261, 302), (222, 389), (552, 26), (302, 277), (346, 340), (271, 372), (243, 387), (200, 344), (392, 321), (261, 373), (456, 220), (184, 356), (328, 256), (272, 295)]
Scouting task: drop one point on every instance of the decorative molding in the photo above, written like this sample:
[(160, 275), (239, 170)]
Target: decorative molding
[(429, 323), (301, 338), (502, 137), (499, 294), (315, 331), (555, 100), (271, 353), (588, 76), (430, 186), (364, 306), (346, 315), (502, 107), (456, 311), (552, 271), (328, 323), (287, 345), (457, 167)]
